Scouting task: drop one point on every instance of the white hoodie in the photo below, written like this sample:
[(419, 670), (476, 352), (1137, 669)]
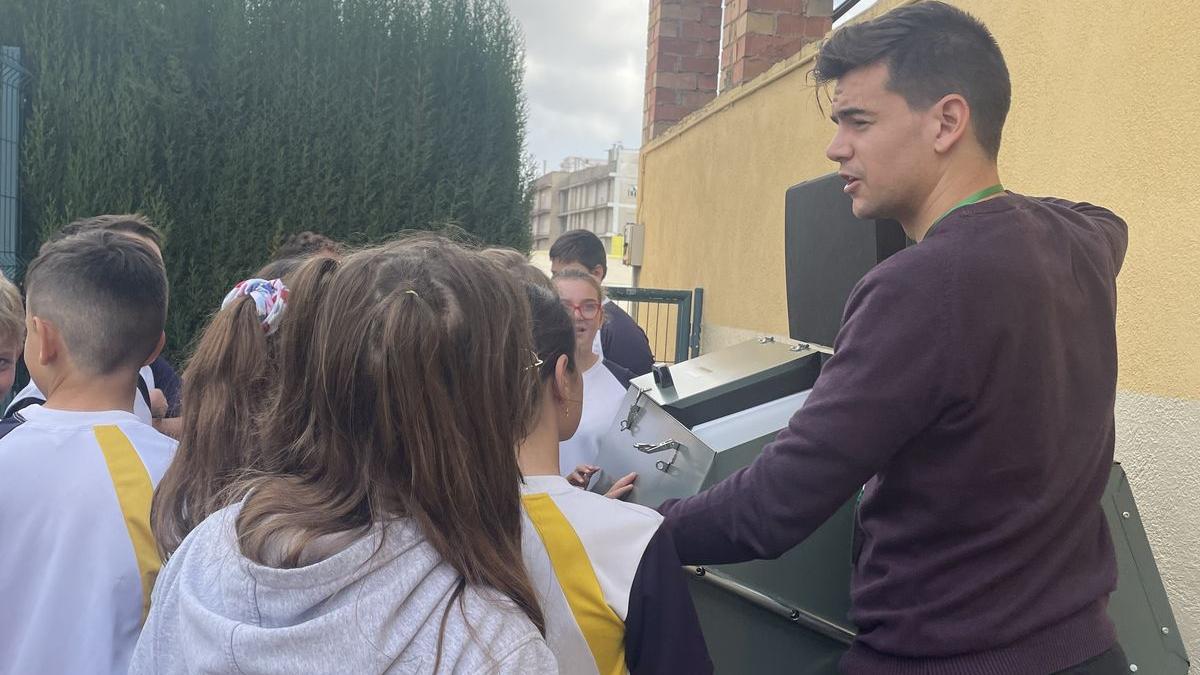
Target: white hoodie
[(356, 611)]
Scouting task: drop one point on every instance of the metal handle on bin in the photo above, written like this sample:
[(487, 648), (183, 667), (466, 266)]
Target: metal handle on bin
[(651, 448), (634, 411), (809, 620)]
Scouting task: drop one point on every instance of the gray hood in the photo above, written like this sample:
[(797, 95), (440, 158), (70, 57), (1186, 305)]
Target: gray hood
[(374, 606)]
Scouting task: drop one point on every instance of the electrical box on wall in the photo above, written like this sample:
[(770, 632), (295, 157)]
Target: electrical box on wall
[(635, 244)]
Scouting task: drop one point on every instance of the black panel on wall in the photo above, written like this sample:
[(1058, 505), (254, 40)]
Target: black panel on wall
[(827, 251)]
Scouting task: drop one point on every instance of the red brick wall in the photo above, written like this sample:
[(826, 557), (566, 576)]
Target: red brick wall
[(682, 60), (760, 33)]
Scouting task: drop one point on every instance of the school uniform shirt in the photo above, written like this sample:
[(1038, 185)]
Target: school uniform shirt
[(602, 395), (610, 584), (78, 561), (30, 395)]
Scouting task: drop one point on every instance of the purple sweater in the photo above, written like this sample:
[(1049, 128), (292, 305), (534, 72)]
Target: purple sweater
[(972, 391)]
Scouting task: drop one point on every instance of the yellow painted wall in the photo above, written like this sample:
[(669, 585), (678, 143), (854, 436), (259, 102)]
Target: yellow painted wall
[(1106, 109)]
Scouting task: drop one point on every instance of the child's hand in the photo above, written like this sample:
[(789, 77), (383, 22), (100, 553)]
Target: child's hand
[(582, 475), (621, 487), (158, 403)]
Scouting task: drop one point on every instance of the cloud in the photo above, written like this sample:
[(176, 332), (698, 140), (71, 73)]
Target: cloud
[(585, 64)]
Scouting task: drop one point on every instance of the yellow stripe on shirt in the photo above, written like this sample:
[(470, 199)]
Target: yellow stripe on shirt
[(134, 493), (602, 628)]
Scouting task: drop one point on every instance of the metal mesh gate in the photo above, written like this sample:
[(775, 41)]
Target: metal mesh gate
[(671, 319), (12, 76)]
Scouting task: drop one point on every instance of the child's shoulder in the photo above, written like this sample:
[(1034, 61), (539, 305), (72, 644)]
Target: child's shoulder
[(589, 512)]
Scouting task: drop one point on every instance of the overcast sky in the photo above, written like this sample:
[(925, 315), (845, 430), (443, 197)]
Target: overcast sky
[(585, 68)]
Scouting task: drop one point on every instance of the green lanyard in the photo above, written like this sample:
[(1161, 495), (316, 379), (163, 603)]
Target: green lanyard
[(977, 197)]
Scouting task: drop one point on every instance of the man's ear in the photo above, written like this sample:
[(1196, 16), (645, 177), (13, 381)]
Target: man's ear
[(952, 115), (162, 342), (599, 272), (47, 338)]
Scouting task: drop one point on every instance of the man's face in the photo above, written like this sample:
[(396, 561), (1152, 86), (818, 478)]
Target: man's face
[(884, 148), (557, 265)]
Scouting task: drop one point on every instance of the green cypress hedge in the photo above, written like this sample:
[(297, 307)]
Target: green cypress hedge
[(233, 123)]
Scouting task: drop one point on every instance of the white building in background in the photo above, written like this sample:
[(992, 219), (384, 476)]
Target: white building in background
[(586, 194)]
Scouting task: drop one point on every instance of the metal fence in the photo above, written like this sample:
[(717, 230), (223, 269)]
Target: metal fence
[(671, 319), (12, 77)]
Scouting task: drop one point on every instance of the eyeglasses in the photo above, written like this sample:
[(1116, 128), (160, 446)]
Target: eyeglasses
[(587, 309)]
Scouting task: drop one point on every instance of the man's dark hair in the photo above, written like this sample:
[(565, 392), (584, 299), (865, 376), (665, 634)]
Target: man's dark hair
[(106, 293), (931, 49), (306, 243), (129, 223), (580, 246)]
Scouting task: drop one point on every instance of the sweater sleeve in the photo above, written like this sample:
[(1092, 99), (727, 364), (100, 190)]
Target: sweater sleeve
[(531, 656), (662, 631), (884, 384), (1108, 224)]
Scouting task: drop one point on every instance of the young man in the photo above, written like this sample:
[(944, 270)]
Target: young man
[(972, 386), (620, 340), (77, 562), (159, 387)]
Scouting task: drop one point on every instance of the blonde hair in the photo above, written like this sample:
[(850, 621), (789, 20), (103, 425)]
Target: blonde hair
[(12, 312), (576, 275)]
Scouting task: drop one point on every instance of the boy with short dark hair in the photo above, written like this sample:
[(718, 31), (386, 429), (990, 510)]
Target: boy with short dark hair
[(77, 472), (148, 404), (134, 224), (620, 339)]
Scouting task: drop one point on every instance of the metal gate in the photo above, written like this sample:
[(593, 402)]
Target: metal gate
[(12, 76), (670, 318)]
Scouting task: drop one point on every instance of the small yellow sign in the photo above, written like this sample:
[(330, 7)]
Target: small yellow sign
[(618, 246)]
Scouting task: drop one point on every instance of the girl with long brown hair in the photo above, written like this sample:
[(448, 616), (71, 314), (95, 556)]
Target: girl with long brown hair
[(228, 379), (383, 533), (607, 575)]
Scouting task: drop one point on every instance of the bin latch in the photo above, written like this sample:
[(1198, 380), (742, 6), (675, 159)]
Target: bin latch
[(651, 448)]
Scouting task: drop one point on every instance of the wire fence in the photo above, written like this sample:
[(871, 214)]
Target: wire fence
[(671, 319)]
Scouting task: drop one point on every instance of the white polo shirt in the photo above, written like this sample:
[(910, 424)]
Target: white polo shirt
[(141, 407), (602, 396), (582, 551), (78, 560)]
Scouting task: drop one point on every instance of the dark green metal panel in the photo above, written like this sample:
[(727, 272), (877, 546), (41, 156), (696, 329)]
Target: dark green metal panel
[(746, 636), (1139, 606), (12, 76)]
